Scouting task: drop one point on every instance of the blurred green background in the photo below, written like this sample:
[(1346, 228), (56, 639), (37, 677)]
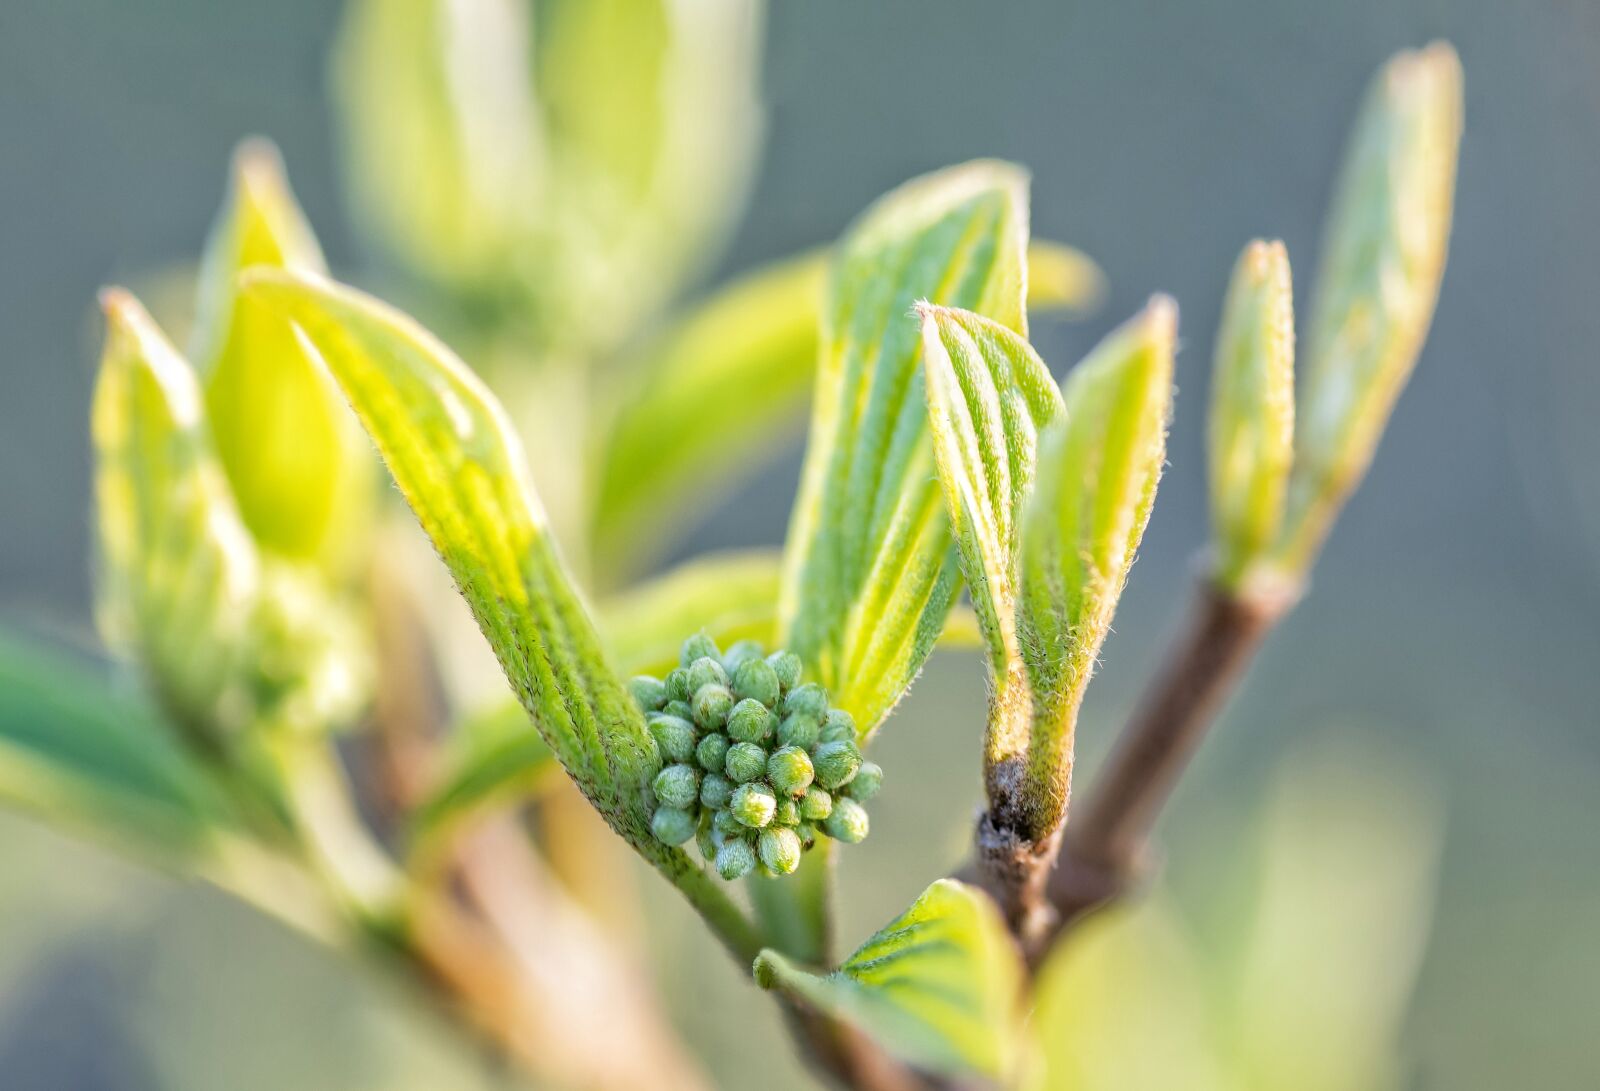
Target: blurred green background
[(1445, 657)]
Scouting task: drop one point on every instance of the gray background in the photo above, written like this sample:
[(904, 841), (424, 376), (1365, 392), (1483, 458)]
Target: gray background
[(1456, 612)]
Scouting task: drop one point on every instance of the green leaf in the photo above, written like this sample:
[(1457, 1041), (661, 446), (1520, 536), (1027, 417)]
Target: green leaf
[(567, 163), (870, 573), (76, 752), (939, 987), (454, 456), (299, 468), (1097, 474), (989, 395), (1384, 247), (1252, 410), (749, 352), (178, 572), (731, 596)]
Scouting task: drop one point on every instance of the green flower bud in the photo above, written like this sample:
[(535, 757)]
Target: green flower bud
[(716, 791), (780, 849), (681, 709), (787, 814), (727, 825), (708, 838), (847, 823), (807, 834), (816, 804), (789, 770), (868, 780), (838, 726), (677, 786), (837, 763), (698, 646), (745, 761), (799, 730), (750, 721), (809, 700), (674, 737), (706, 672), (742, 651), (712, 703), (648, 693), (786, 665), (735, 860), (753, 804), (712, 752), (677, 684), (672, 825), (755, 679)]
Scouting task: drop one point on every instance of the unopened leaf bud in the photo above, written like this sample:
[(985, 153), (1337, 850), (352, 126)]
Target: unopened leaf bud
[(753, 804), (848, 822), (745, 762), (674, 737), (750, 721), (677, 786), (789, 770), (836, 763), (780, 849)]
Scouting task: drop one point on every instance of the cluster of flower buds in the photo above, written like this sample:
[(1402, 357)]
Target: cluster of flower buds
[(756, 764)]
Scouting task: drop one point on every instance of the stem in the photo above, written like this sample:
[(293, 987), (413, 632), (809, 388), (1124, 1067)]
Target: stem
[(1105, 842)]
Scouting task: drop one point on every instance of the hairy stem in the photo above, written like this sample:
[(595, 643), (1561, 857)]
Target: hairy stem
[(1104, 843)]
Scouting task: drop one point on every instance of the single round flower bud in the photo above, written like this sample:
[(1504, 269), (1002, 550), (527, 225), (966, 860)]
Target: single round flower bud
[(789, 770), (741, 651), (677, 683), (674, 737), (799, 730), (868, 780), (756, 680), (745, 761), (711, 752), (787, 814), (648, 693), (847, 823), (750, 721), (672, 825), (706, 672), (816, 804), (807, 834), (838, 726), (809, 700), (753, 804), (837, 763), (681, 709), (677, 786), (780, 849), (712, 703), (727, 825), (786, 665), (708, 839), (698, 646), (735, 859), (716, 791)]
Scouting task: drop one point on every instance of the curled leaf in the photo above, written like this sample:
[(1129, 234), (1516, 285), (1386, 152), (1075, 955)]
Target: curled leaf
[(869, 571), (1384, 247), (1252, 410), (939, 987)]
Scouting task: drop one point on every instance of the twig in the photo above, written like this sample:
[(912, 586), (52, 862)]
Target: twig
[(1105, 841)]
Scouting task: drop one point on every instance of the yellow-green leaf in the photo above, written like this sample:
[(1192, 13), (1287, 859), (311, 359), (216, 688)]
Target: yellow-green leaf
[(1383, 257), (1097, 474), (869, 571), (720, 392), (299, 468), (939, 987), (178, 572), (1252, 410)]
